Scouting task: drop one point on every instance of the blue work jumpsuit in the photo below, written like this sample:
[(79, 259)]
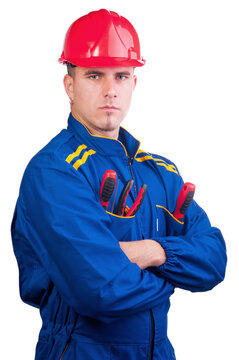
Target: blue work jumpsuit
[(94, 303)]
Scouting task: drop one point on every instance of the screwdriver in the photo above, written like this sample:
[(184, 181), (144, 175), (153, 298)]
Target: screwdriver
[(185, 198), (107, 187)]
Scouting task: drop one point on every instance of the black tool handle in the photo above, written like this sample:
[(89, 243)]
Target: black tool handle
[(107, 187), (185, 198), (123, 197)]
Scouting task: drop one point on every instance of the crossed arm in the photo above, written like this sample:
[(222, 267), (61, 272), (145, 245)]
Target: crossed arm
[(144, 253), (195, 261)]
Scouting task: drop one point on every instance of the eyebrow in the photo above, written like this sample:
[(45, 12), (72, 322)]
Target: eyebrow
[(96, 72)]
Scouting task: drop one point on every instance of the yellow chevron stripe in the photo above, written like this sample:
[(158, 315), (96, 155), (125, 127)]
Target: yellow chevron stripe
[(144, 158), (140, 151), (76, 153), (162, 162), (148, 157), (81, 161), (168, 167)]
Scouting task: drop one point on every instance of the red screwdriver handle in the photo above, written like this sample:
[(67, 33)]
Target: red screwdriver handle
[(107, 187), (185, 198)]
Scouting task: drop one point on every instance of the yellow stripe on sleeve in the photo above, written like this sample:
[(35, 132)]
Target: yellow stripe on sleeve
[(140, 151), (81, 161), (159, 162), (76, 153), (168, 167), (144, 158)]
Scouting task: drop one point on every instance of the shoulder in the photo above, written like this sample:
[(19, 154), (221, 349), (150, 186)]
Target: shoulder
[(49, 173), (51, 161), (59, 152), (161, 172)]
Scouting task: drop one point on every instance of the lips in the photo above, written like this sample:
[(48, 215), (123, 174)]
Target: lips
[(109, 107)]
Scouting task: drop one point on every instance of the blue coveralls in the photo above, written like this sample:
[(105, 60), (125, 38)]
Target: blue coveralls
[(95, 304)]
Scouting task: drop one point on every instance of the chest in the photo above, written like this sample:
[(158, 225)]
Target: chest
[(154, 215)]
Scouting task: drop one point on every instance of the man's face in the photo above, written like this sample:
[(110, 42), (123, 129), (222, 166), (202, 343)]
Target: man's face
[(101, 97)]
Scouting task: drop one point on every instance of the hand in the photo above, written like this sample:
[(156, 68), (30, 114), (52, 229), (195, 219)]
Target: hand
[(144, 253)]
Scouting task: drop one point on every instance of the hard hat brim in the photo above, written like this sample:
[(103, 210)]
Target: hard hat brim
[(103, 62)]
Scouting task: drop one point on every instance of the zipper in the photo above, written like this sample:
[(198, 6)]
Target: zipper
[(131, 171), (65, 350), (152, 336), (151, 354)]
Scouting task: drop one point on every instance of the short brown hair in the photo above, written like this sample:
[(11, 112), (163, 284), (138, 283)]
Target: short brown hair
[(70, 69)]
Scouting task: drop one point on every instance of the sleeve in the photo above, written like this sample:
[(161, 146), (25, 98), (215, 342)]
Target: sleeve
[(196, 251), (69, 231)]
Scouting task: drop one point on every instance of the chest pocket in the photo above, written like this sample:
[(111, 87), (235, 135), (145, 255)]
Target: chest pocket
[(166, 223), (124, 228)]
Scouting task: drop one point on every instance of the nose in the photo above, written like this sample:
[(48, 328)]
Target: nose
[(110, 88)]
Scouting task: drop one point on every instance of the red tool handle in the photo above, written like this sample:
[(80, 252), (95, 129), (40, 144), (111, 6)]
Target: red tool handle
[(185, 198), (107, 187), (136, 205)]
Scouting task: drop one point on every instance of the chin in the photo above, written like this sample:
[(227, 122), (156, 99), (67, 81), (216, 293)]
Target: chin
[(109, 124)]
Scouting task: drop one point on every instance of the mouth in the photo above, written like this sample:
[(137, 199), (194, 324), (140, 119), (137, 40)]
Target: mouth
[(109, 108)]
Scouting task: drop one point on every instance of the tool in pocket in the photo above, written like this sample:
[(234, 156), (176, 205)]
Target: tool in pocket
[(185, 198), (107, 189)]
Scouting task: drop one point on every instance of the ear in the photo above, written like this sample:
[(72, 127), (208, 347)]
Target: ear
[(68, 84)]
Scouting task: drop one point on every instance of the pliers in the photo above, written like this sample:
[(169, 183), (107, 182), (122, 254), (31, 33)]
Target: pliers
[(123, 196)]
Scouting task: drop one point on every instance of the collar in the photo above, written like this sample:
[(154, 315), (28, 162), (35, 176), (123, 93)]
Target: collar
[(125, 145)]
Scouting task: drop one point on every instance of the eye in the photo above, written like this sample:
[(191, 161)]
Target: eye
[(122, 77), (94, 77)]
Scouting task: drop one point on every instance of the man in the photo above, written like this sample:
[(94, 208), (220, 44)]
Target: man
[(102, 279)]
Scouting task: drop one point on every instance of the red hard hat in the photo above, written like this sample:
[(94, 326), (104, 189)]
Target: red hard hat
[(102, 39)]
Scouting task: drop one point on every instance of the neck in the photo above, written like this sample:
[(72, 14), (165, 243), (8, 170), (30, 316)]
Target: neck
[(109, 133), (114, 134)]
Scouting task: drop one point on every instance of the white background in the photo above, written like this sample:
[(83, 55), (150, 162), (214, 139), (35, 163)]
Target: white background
[(185, 108)]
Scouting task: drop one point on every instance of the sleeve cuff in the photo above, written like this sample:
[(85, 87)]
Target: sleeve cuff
[(171, 260)]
